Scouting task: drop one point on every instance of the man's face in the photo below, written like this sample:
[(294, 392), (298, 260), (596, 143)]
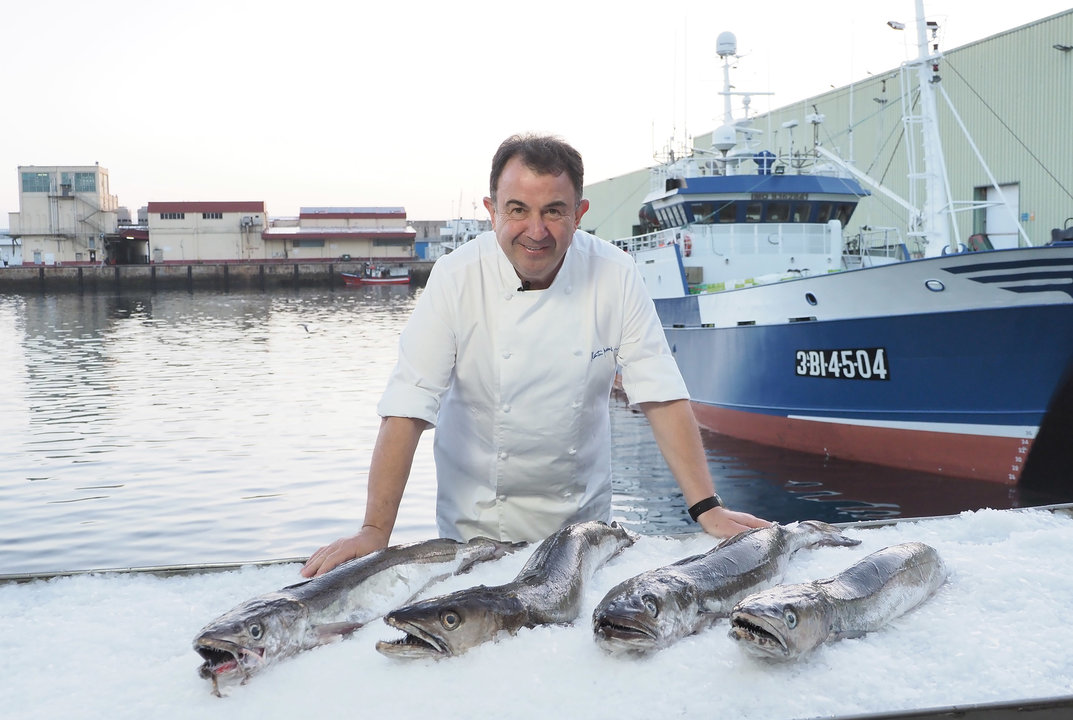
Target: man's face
[(534, 217)]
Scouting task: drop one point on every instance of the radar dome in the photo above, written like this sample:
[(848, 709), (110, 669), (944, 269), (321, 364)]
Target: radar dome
[(726, 44), (724, 138)]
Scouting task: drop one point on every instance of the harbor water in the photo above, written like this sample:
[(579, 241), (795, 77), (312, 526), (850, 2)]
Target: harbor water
[(172, 428)]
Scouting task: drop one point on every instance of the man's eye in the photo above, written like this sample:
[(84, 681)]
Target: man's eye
[(516, 213), (553, 214)]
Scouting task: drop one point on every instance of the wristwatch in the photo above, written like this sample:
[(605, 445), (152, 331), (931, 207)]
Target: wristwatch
[(704, 506)]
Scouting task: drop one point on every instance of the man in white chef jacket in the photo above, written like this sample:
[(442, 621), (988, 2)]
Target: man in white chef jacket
[(510, 353)]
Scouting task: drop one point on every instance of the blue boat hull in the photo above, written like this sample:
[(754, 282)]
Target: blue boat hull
[(959, 391)]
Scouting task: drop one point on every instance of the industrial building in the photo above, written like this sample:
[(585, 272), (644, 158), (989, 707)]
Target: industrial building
[(66, 214), (68, 217), (342, 232)]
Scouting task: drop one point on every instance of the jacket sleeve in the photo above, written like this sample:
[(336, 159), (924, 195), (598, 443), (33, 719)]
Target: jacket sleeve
[(426, 360), (648, 369)]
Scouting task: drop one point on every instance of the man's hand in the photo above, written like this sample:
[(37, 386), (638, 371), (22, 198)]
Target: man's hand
[(724, 523), (369, 539)]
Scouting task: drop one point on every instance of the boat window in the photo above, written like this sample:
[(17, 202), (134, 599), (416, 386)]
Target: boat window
[(753, 212), (665, 218), (844, 211), (703, 212), (823, 212), (778, 212), (728, 213), (680, 215), (800, 214)]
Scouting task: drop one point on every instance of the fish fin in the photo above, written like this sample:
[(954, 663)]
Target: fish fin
[(688, 560), (840, 541), (331, 631)]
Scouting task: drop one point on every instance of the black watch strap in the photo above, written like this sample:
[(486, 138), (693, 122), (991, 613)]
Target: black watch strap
[(704, 506)]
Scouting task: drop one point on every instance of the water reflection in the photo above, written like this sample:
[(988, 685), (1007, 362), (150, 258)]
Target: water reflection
[(783, 485)]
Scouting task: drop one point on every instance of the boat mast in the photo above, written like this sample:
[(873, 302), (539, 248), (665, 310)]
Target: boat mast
[(929, 222), (938, 214), (725, 137), (726, 48)]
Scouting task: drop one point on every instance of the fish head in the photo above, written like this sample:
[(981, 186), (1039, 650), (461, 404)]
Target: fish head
[(819, 533), (781, 623), (248, 638), (646, 612), (451, 624), (621, 537)]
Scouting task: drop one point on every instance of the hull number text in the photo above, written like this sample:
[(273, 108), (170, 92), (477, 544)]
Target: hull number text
[(856, 364)]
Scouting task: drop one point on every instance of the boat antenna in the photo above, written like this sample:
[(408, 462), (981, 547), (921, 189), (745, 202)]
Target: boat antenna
[(725, 137)]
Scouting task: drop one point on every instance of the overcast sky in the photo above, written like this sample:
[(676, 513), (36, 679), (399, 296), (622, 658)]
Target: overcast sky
[(357, 103)]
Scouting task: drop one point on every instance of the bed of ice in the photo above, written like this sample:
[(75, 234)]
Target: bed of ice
[(120, 645)]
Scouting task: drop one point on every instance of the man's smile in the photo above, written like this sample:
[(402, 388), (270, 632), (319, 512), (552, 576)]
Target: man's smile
[(533, 248)]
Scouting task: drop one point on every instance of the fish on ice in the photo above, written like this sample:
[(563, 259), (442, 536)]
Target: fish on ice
[(657, 608), (788, 621), (276, 625), (547, 591)]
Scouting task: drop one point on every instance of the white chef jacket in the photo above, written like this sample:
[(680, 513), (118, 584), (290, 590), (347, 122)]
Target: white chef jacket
[(517, 384)]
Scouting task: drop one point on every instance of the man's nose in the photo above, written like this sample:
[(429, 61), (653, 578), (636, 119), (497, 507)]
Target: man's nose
[(536, 227)]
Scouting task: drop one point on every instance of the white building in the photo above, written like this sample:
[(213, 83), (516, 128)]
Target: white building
[(334, 232), (183, 232), (66, 214)]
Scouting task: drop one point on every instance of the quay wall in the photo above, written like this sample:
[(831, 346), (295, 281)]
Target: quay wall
[(213, 277)]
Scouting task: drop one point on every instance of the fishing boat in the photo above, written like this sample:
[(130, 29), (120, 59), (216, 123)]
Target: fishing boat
[(947, 361), (373, 275)]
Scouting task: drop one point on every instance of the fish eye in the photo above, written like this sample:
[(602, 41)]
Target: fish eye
[(791, 619), (450, 619), (651, 605), (255, 631)]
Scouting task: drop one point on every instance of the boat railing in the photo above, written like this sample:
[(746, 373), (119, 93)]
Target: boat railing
[(705, 240), (648, 241), (884, 244)]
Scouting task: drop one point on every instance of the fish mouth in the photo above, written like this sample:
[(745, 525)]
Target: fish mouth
[(415, 644), (223, 658), (760, 635), (622, 632)]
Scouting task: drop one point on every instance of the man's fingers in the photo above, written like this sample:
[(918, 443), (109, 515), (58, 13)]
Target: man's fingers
[(318, 562)]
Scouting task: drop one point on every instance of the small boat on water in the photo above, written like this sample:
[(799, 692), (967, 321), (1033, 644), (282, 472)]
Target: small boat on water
[(373, 275), (789, 334)]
